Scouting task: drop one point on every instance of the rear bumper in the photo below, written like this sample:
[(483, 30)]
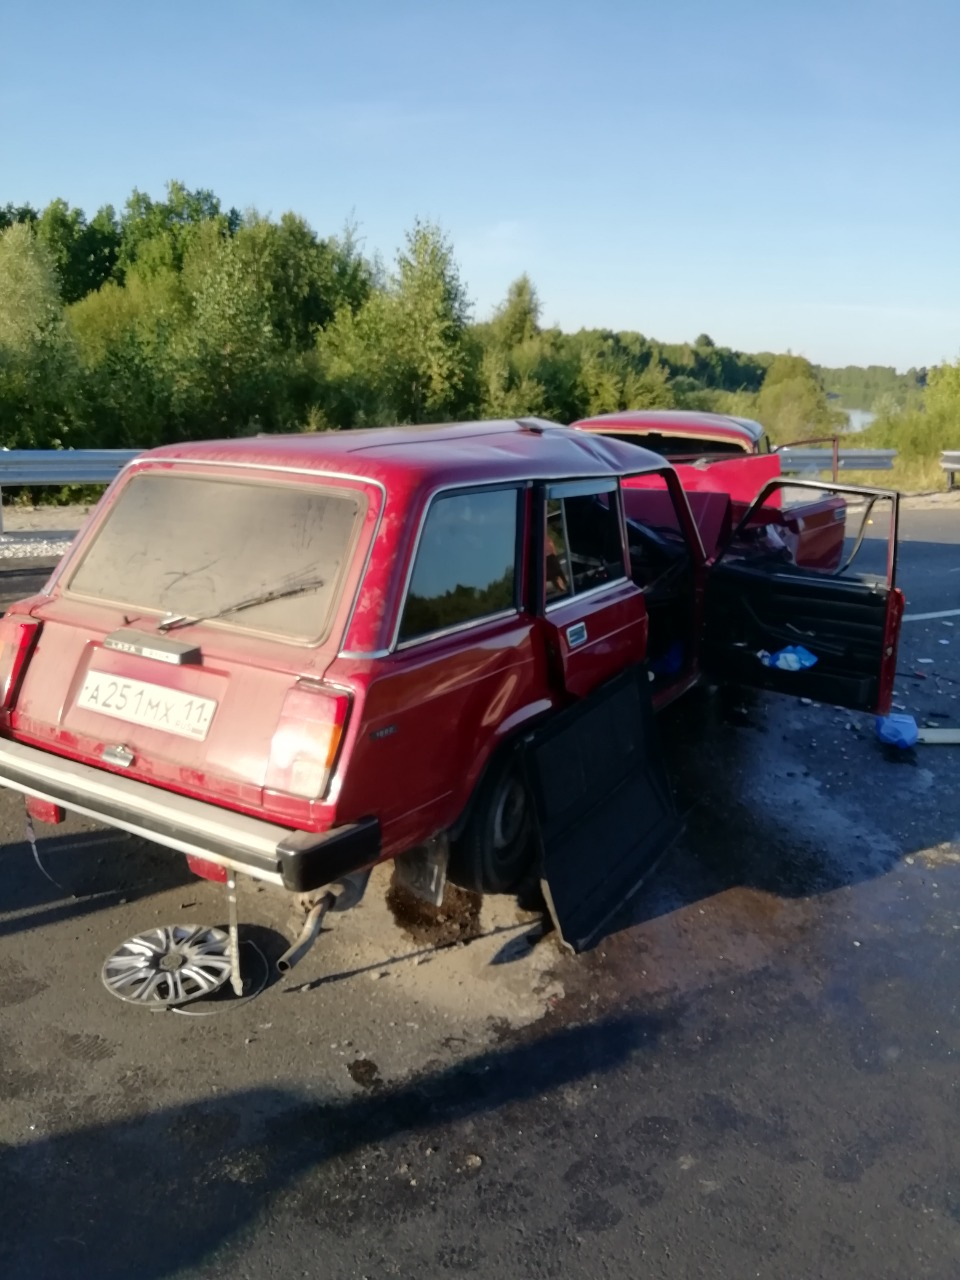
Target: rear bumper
[(297, 860)]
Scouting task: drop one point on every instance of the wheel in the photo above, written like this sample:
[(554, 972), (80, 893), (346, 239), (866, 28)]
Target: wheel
[(495, 852)]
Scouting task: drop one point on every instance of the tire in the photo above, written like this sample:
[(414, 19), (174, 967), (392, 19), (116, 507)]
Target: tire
[(495, 852)]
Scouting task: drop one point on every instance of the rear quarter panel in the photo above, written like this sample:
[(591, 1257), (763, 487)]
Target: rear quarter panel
[(429, 717)]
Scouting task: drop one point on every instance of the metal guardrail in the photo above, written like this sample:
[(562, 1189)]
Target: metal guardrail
[(99, 466), (950, 462), (805, 460), (60, 466)]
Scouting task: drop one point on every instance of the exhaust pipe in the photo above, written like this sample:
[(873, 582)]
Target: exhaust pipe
[(308, 934)]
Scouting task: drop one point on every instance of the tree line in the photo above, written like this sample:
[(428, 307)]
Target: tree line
[(877, 388), (175, 319)]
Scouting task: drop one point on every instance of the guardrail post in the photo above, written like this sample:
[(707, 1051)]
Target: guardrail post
[(950, 463)]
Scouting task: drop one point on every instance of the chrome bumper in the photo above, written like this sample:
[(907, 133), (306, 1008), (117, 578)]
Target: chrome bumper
[(297, 860)]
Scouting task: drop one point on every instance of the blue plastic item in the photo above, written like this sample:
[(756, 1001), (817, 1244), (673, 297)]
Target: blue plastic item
[(897, 730), (793, 658), (671, 662)]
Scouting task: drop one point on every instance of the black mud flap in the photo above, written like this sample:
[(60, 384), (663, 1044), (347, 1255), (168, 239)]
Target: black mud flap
[(604, 810)]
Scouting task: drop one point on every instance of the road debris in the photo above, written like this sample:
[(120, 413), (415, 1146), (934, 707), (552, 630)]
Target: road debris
[(939, 737), (793, 658), (897, 730)]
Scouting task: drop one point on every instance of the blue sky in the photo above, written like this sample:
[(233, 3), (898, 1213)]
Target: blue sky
[(778, 175)]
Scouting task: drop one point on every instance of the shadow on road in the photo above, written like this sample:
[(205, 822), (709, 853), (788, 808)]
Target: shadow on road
[(79, 874), (146, 1196)]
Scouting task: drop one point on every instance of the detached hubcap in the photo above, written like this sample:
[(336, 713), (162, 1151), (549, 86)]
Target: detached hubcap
[(168, 966)]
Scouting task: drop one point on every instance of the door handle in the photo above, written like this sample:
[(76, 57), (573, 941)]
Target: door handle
[(576, 634)]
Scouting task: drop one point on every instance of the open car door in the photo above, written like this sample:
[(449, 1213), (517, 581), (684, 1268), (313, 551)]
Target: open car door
[(603, 806), (839, 627)]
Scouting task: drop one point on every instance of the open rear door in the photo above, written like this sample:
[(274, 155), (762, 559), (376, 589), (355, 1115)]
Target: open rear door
[(604, 809), (760, 601)]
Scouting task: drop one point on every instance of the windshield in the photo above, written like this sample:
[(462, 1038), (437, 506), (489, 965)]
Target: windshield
[(192, 546)]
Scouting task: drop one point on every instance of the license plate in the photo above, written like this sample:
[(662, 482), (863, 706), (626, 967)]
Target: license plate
[(153, 705)]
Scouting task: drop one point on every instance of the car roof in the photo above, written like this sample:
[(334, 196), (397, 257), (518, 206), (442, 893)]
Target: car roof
[(445, 453), (678, 422)]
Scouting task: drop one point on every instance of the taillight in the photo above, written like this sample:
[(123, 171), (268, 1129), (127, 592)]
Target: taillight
[(18, 637), (45, 810), (307, 739)]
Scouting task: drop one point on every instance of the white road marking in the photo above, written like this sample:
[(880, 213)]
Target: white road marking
[(927, 617)]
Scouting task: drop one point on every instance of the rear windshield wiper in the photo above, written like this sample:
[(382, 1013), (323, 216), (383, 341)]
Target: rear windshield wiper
[(265, 597)]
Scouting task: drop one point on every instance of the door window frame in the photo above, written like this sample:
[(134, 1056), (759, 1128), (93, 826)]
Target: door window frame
[(823, 486), (575, 488)]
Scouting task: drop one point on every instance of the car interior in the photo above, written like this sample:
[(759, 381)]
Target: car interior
[(661, 564)]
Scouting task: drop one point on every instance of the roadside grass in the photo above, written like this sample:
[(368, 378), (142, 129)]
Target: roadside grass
[(908, 474)]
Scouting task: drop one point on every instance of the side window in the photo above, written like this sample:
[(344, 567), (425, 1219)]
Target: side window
[(582, 545), (466, 562)]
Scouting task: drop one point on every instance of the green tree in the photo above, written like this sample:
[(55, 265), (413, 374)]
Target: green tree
[(792, 403), (84, 254), (651, 389), (230, 374), (405, 355), (517, 319), (427, 345), (125, 338), (13, 213), (30, 310), (36, 356), (942, 398), (303, 280), (157, 233)]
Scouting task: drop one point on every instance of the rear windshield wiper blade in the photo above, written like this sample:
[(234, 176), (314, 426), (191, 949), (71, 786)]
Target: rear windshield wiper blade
[(265, 597)]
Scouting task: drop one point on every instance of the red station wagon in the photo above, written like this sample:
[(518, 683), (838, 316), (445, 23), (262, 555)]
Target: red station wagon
[(293, 657)]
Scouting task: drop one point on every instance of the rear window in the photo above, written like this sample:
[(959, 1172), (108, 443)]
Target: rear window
[(682, 448), (195, 546)]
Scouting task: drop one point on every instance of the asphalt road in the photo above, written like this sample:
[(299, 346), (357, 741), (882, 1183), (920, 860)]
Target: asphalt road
[(754, 1075)]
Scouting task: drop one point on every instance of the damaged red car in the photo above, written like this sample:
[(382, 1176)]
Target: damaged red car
[(293, 657), (717, 453)]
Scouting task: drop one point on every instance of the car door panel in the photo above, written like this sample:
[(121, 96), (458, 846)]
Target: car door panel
[(604, 810), (594, 617), (846, 626), (850, 624), (590, 638)]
